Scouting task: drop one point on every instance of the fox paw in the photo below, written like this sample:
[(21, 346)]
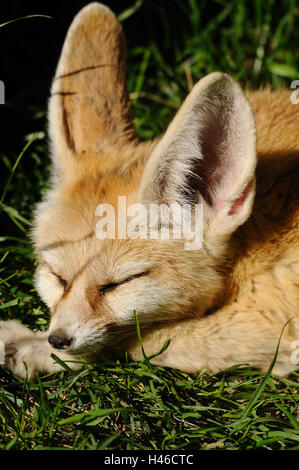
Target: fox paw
[(27, 357), (26, 353), (19, 359), (19, 348), (12, 330)]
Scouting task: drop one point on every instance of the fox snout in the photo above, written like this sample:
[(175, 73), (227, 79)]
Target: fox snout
[(59, 340), (79, 338)]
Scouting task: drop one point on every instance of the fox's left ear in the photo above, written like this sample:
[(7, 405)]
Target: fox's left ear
[(209, 150), (89, 109)]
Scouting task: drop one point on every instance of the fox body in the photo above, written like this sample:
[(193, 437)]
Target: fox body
[(223, 304)]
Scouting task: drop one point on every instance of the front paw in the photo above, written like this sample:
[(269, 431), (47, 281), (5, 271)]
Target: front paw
[(12, 330), (19, 359), (17, 342), (26, 358)]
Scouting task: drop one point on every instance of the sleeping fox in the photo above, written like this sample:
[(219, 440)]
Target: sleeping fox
[(237, 153)]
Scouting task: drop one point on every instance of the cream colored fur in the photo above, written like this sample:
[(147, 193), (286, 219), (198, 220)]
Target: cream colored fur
[(222, 305)]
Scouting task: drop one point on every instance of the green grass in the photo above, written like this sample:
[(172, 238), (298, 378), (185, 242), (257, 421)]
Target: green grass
[(122, 404)]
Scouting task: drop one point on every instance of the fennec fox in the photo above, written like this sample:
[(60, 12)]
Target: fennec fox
[(237, 155)]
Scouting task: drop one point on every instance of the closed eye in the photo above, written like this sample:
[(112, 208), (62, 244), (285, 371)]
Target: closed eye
[(60, 280), (112, 285)]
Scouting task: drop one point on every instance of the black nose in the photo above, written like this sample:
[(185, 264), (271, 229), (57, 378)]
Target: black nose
[(60, 341)]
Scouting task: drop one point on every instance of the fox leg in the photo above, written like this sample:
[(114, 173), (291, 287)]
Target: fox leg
[(28, 353), (229, 336)]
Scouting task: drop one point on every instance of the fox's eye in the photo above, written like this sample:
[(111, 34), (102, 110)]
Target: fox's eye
[(60, 280), (113, 285)]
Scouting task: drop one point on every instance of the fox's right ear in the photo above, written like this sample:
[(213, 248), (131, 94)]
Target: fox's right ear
[(89, 109), (208, 151)]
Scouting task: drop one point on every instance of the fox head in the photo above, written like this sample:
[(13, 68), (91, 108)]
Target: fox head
[(93, 286)]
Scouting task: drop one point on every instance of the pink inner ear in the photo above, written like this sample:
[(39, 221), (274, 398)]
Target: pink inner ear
[(237, 204), (219, 141)]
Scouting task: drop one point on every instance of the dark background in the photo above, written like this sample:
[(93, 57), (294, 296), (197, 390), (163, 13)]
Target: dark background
[(30, 48)]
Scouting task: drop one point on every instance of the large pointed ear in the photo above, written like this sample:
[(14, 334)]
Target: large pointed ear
[(89, 109), (207, 153)]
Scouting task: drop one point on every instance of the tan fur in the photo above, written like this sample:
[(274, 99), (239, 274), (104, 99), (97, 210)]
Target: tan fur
[(221, 305)]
